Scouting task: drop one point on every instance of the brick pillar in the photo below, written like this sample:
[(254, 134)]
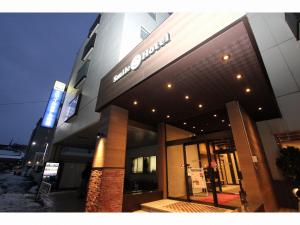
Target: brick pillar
[(105, 190), (161, 160), (257, 180)]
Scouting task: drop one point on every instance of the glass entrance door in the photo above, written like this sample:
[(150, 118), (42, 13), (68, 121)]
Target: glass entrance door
[(205, 172)]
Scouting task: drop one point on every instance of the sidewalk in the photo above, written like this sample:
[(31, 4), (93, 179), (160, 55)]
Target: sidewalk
[(64, 201)]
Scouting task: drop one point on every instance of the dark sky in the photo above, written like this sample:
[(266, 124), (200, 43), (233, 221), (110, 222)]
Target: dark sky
[(35, 50)]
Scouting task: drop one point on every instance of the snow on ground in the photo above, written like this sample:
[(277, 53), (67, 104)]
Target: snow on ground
[(17, 194)]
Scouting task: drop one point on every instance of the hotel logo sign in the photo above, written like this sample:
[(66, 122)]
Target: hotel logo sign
[(139, 58)]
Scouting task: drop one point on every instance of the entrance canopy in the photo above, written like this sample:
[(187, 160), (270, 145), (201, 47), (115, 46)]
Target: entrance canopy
[(191, 92)]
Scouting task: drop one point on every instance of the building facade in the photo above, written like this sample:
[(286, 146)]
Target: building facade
[(185, 106)]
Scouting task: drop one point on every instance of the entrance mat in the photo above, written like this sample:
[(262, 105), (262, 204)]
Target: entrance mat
[(222, 198), (193, 207)]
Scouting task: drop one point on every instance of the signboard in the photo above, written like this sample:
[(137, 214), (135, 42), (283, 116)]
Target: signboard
[(139, 58), (72, 107), (44, 189), (198, 181), (50, 172), (53, 105)]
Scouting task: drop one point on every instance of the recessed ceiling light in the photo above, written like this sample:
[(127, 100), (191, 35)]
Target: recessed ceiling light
[(135, 102), (169, 85), (153, 110), (168, 116), (184, 123), (215, 115), (225, 57), (200, 105), (260, 108), (238, 76), (187, 97), (248, 90)]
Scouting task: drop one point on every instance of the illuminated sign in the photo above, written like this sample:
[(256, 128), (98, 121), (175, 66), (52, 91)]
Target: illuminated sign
[(52, 109), (51, 169), (72, 107), (139, 58)]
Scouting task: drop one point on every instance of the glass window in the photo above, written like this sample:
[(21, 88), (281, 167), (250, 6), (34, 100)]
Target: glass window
[(89, 47), (82, 73), (153, 16), (152, 164), (144, 164), (144, 33), (94, 26)]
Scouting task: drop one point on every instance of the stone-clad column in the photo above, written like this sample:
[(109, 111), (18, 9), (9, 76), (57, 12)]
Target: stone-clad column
[(257, 180), (161, 160), (105, 190)]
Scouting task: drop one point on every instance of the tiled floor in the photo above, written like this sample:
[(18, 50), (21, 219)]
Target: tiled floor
[(168, 205)]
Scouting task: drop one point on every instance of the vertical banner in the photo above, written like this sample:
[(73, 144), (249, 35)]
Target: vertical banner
[(54, 102)]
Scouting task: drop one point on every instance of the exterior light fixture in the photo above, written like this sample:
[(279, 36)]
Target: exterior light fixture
[(37, 162), (215, 115), (229, 125), (135, 102), (29, 162), (202, 130), (153, 110), (248, 90), (33, 143), (184, 123), (168, 116), (194, 127), (187, 97), (223, 121), (238, 76), (200, 105), (169, 85), (225, 57), (260, 108)]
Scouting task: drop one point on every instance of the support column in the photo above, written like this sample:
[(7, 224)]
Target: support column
[(105, 190), (257, 180), (161, 160)]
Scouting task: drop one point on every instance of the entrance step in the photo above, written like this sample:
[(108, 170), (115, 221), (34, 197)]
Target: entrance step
[(140, 211), (168, 205)]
